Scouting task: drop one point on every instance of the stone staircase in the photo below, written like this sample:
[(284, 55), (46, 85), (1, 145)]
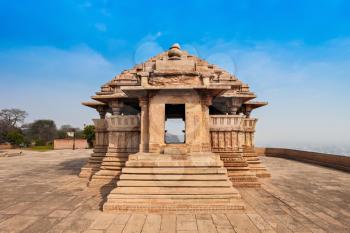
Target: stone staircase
[(254, 163), (109, 170), (173, 182), (94, 162), (238, 170)]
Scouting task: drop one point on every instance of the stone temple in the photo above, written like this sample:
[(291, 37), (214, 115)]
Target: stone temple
[(174, 134)]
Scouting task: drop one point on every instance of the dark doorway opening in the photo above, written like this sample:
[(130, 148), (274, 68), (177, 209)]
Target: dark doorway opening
[(175, 123)]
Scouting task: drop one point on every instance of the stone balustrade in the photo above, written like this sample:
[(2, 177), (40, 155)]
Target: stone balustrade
[(232, 122), (249, 124), (124, 123), (100, 124), (225, 122), (101, 134)]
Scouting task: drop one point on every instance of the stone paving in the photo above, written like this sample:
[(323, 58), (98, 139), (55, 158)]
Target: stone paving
[(40, 192)]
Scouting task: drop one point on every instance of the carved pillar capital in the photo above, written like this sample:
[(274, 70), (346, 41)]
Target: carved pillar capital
[(116, 106), (247, 111), (143, 102), (101, 111), (233, 105), (207, 100)]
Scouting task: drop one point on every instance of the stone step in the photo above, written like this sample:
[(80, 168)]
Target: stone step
[(175, 150), (246, 184), (171, 199), (110, 163), (237, 169), (97, 177), (175, 207), (97, 159), (172, 177), (115, 159), (229, 164), (174, 170), (174, 190), (176, 183), (178, 163), (107, 173), (241, 174), (172, 196), (117, 155), (110, 168)]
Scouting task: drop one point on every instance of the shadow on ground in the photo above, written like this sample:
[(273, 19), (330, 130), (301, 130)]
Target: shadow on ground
[(73, 166)]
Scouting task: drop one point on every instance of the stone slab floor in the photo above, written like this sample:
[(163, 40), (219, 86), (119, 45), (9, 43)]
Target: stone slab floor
[(40, 192)]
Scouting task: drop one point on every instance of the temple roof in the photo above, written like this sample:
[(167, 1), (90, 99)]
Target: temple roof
[(254, 104), (174, 69)]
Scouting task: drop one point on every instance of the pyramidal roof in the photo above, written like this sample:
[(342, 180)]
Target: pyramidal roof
[(174, 69)]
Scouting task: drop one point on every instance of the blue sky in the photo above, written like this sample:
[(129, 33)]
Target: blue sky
[(294, 54)]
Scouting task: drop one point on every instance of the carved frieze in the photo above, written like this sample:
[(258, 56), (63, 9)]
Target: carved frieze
[(178, 80)]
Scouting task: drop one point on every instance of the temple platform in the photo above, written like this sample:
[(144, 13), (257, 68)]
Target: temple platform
[(41, 192), (154, 182)]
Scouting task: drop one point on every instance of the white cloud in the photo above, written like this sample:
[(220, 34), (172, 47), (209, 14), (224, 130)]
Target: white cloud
[(147, 48), (51, 83), (306, 88)]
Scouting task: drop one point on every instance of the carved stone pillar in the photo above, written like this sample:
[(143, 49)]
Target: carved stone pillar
[(144, 118), (233, 106), (206, 101), (102, 112), (247, 110), (144, 78), (100, 149), (116, 106)]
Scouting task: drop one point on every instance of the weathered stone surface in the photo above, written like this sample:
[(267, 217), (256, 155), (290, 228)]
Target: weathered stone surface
[(215, 108), (291, 201), (154, 192)]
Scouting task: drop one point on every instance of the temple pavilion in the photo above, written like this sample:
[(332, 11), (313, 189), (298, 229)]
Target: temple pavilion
[(174, 134)]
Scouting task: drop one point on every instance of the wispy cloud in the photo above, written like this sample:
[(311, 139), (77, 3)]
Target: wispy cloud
[(101, 27), (50, 83), (147, 47), (306, 88)]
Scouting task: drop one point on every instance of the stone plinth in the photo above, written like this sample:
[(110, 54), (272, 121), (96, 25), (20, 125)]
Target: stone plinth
[(227, 138), (100, 149), (124, 139), (161, 182)]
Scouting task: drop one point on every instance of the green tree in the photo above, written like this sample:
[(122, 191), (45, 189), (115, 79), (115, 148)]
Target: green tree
[(42, 132), (89, 134), (9, 120), (62, 132), (16, 138), (79, 133)]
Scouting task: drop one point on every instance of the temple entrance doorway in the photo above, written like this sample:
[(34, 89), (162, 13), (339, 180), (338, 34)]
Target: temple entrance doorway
[(175, 124)]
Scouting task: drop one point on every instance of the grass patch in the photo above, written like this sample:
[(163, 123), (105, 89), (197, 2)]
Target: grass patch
[(42, 148)]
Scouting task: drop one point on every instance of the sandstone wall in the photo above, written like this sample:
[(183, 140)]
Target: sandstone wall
[(59, 144), (5, 146), (328, 160)]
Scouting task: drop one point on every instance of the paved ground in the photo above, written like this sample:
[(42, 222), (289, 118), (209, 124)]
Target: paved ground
[(40, 192)]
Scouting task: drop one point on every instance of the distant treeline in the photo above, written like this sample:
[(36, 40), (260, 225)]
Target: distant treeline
[(38, 133)]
